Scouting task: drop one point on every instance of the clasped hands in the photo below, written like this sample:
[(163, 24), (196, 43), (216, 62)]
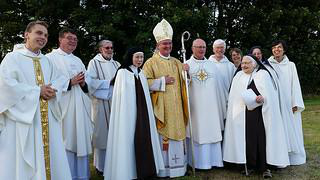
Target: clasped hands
[(78, 79), (259, 99), (47, 92)]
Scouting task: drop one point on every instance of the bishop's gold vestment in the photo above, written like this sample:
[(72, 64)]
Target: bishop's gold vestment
[(170, 107)]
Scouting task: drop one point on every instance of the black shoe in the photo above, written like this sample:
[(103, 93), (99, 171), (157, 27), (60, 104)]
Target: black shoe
[(267, 174), (99, 173)]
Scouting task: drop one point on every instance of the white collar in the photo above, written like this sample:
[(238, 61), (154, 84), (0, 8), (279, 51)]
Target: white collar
[(100, 58), (135, 70), (285, 60), (198, 60), (164, 57), (25, 51), (61, 52), (223, 60)]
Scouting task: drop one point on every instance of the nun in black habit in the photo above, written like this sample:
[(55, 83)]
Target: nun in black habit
[(254, 133)]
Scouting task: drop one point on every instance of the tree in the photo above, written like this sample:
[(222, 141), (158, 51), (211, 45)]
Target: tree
[(242, 24)]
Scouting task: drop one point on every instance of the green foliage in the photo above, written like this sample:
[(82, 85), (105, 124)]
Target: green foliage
[(242, 24)]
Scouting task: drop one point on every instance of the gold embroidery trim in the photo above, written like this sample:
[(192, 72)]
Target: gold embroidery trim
[(44, 117)]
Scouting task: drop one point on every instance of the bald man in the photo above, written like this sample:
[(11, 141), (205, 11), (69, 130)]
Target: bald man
[(205, 109)]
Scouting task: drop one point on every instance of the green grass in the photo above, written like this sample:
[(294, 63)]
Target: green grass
[(308, 171), (312, 100)]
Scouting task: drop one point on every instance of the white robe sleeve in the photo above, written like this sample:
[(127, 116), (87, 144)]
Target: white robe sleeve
[(158, 84), (100, 89), (296, 97), (59, 66), (93, 81), (260, 82), (189, 79), (18, 99), (58, 81), (104, 92)]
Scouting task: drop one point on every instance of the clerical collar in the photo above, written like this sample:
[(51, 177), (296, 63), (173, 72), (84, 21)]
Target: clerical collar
[(63, 52), (164, 57), (26, 52), (33, 53), (195, 58)]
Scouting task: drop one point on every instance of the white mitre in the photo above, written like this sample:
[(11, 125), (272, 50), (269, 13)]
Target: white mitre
[(163, 31)]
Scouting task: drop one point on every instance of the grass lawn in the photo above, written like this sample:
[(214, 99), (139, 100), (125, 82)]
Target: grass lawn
[(308, 171)]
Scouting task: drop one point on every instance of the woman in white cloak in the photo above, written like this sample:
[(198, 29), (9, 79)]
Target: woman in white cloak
[(133, 147), (254, 133), (291, 101)]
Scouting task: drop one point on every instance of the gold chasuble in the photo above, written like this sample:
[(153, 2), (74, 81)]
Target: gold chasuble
[(44, 116), (170, 107)]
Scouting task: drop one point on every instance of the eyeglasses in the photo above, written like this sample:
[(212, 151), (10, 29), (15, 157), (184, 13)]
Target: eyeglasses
[(107, 48), (200, 47), (70, 38), (246, 63)]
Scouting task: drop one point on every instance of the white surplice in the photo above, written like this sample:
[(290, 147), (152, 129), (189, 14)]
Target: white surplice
[(75, 105), (234, 144), (100, 73), (21, 144), (206, 113), (120, 162), (225, 74), (291, 96)]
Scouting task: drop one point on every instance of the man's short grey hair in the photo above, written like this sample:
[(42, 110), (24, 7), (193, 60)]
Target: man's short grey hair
[(219, 42), (102, 42)]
